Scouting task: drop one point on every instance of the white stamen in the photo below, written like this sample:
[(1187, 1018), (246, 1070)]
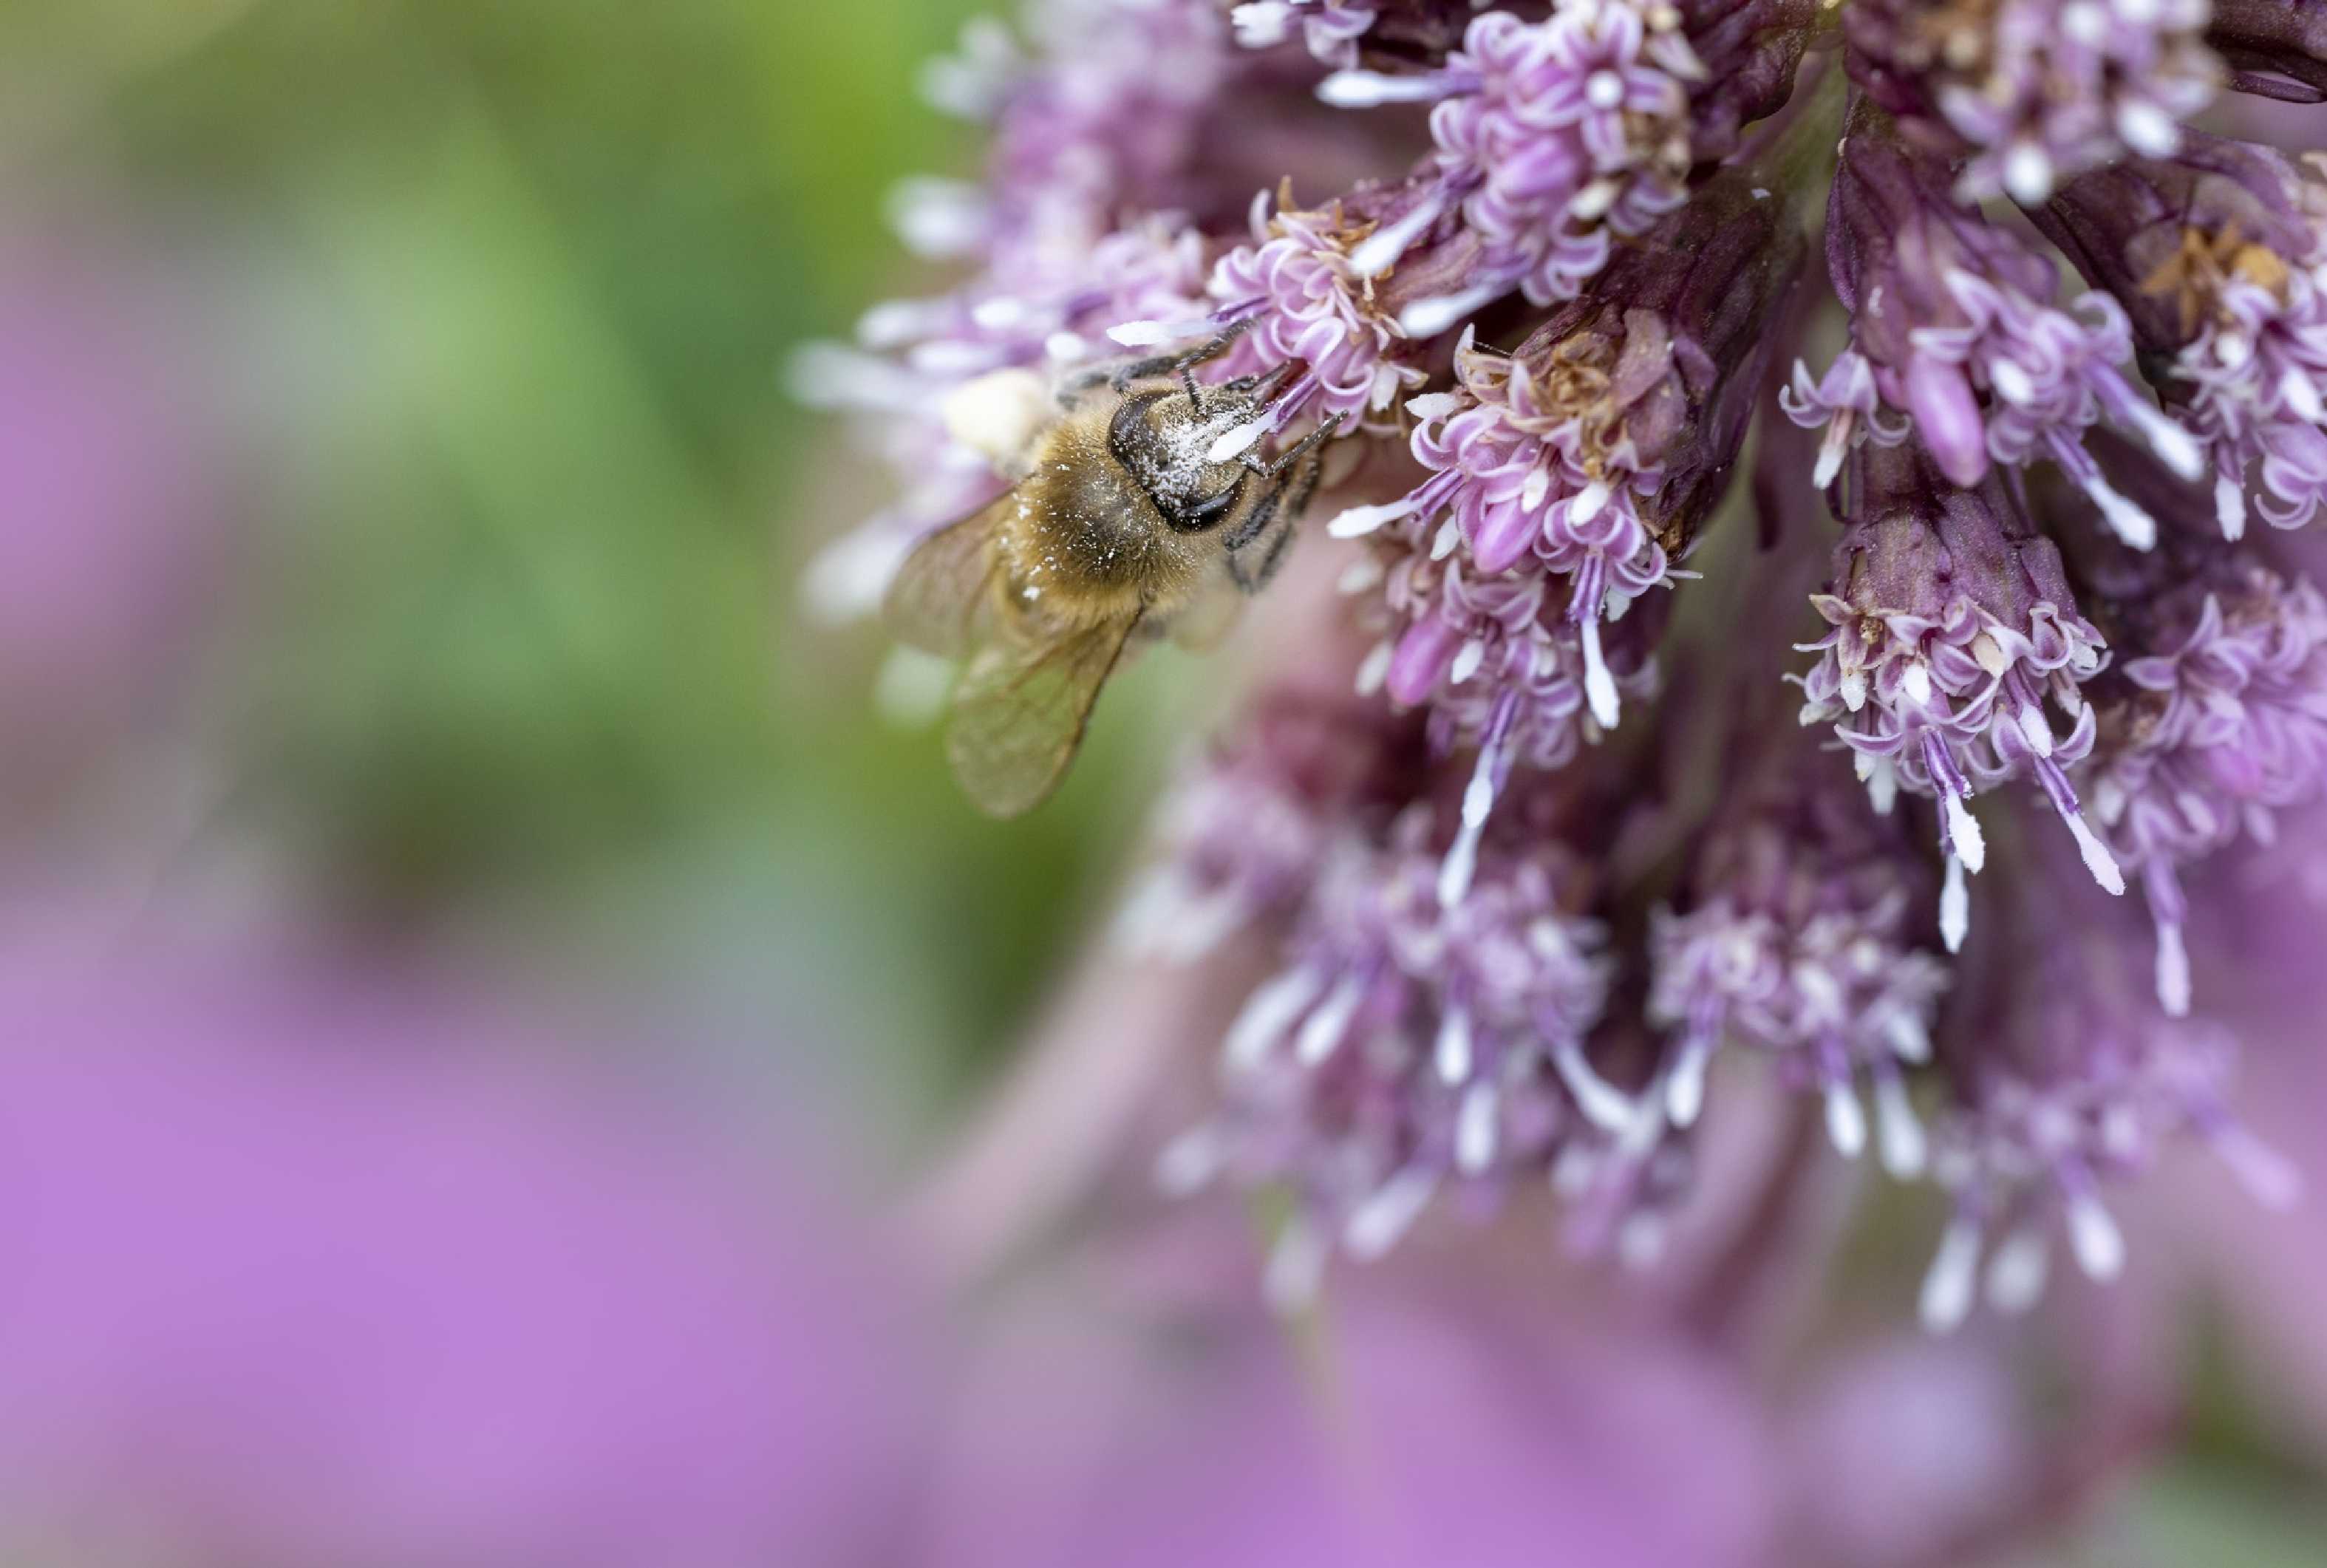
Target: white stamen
[(2012, 383), (2268, 1176), (2231, 506), (1602, 1103), (1322, 1035), (1443, 542), (1376, 1225), (1238, 441), (1379, 251), (1296, 1267), (1833, 447), (2015, 1274), (911, 689), (1435, 404), (1963, 832), (1592, 203), (2175, 447), (1190, 1162), (2097, 858), (1599, 686), (1954, 907), (2028, 174), (2148, 130), (1474, 1130), (1266, 1014), (1359, 521), (1462, 861), (2030, 721), (1845, 1119), (1946, 1298), (1909, 1041), (1467, 662), (2302, 395), (848, 576), (1365, 90), (2086, 23), (1202, 925), (1141, 334), (1852, 687), (2172, 971), (1900, 1132), (2127, 521), (938, 219), (1990, 656), (1429, 318), (1684, 1089), (1534, 487), (1589, 502), (1263, 24), (1374, 671), (2095, 1238), (1603, 89), (1359, 574), (1452, 1050), (1916, 680), (1883, 786)]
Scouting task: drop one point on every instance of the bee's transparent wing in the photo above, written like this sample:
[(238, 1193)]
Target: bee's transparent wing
[(944, 591), (1019, 712)]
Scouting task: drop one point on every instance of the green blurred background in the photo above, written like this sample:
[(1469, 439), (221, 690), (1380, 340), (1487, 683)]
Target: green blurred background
[(506, 291)]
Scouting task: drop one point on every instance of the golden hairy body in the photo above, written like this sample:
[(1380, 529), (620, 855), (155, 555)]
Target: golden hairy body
[(1129, 507), (1079, 542)]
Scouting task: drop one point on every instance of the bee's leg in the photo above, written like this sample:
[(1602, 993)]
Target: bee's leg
[(1263, 384), (1254, 523), (1279, 545), (1303, 485), (1296, 451), (1122, 375)]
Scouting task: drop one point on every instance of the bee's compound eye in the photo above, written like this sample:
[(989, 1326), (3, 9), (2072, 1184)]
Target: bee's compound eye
[(1213, 507)]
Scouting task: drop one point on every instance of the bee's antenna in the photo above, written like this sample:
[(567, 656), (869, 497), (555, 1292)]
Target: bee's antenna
[(1188, 379)]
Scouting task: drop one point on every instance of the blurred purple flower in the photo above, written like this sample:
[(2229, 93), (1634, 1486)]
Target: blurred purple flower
[(306, 1271)]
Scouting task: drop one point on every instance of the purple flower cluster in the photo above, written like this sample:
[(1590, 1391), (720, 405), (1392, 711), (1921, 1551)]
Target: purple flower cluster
[(2025, 91), (1951, 624), (1412, 1045), (1555, 138), (1949, 310), (1510, 934), (1802, 947), (2086, 1091), (2217, 257)]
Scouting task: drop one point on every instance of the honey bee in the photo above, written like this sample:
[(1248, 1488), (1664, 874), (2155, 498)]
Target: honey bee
[(1144, 491)]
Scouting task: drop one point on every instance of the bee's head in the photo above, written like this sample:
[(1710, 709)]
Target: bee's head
[(1187, 451)]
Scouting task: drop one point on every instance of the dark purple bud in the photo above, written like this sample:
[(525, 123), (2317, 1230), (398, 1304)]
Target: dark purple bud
[(2275, 48)]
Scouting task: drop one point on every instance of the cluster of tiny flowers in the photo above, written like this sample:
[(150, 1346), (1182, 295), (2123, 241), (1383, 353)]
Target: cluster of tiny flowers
[(1802, 949), (2088, 1093), (2216, 254), (1527, 279), (1951, 624), (2219, 723), (1411, 1046), (1330, 28), (1949, 310), (2030, 91)]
